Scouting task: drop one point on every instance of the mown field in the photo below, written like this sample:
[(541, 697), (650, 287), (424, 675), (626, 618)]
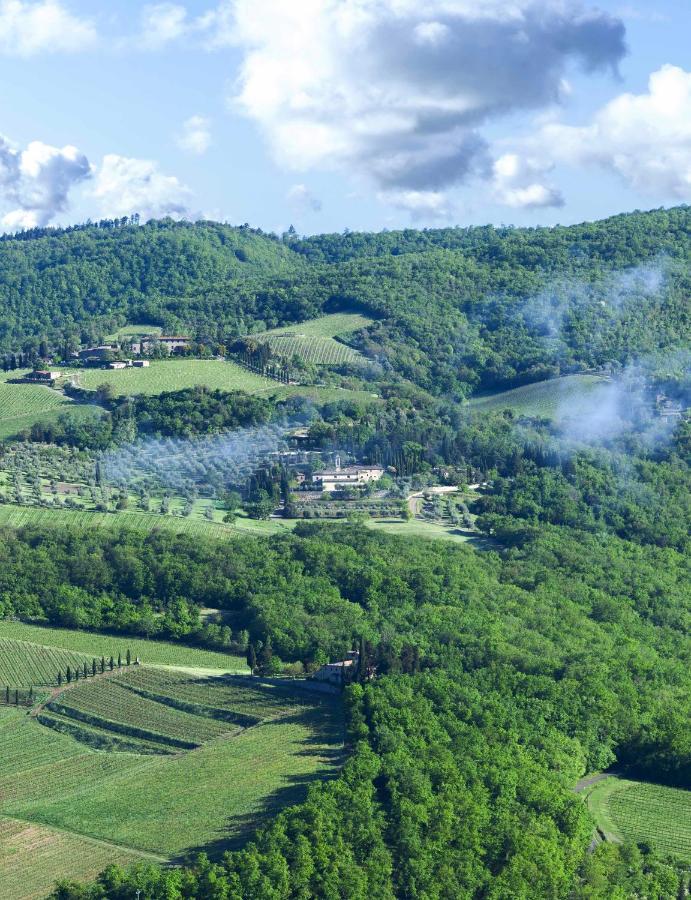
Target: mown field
[(315, 340), (188, 762), (643, 812), (130, 332), (558, 398)]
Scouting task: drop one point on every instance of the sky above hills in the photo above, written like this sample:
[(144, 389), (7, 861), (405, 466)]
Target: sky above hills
[(330, 114)]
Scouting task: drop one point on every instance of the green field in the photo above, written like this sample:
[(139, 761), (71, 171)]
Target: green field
[(23, 404), (559, 398), (159, 653), (25, 665), (188, 761), (174, 375), (643, 812), (315, 340), (129, 332)]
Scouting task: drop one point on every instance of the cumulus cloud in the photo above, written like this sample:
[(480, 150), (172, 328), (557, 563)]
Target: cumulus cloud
[(162, 23), (46, 26), (519, 182), (195, 136), (35, 183), (398, 92), (125, 186), (302, 199), (643, 138)]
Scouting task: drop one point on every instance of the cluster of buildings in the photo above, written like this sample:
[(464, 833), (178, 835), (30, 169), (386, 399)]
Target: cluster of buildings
[(669, 410), (340, 478), (104, 353)]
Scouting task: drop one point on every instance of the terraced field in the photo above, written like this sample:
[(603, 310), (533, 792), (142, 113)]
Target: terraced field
[(188, 762), (24, 664), (558, 398), (315, 340), (643, 812)]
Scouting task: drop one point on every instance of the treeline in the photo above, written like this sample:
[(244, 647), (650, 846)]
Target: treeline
[(458, 310), (458, 782), (191, 411)]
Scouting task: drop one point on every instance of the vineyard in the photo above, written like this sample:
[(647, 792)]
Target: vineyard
[(173, 375), (644, 812), (315, 341), (24, 664), (33, 856), (23, 404), (88, 645), (559, 398), (256, 747)]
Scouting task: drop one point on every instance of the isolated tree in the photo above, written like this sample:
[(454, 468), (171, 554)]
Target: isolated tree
[(128, 657), (31, 693), (252, 658), (119, 661), (111, 664), (68, 674)]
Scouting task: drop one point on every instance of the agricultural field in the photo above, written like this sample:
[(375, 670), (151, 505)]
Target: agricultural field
[(315, 341), (643, 812), (33, 856), (23, 404), (24, 665), (132, 332), (88, 645), (188, 761), (558, 398), (173, 375)]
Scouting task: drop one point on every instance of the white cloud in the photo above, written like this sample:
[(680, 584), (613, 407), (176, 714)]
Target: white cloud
[(302, 199), (419, 204), (162, 23), (519, 183), (195, 136), (35, 183), (125, 186), (643, 138), (44, 26), (397, 92)]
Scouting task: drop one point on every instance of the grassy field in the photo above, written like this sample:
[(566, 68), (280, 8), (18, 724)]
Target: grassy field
[(130, 332), (191, 762), (643, 812), (88, 644), (558, 398), (315, 340), (23, 404)]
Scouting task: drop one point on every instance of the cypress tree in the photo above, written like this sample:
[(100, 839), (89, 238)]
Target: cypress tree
[(111, 664), (59, 679), (128, 657), (7, 694), (86, 671), (93, 666), (16, 697), (76, 674), (68, 674), (103, 664), (119, 661), (252, 658)]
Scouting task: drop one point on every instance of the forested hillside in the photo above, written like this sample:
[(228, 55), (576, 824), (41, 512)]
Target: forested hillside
[(458, 309)]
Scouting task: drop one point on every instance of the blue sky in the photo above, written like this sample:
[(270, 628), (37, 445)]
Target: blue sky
[(330, 114)]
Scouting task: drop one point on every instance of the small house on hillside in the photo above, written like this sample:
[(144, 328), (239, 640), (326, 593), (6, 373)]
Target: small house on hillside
[(341, 672), (42, 376), (172, 342)]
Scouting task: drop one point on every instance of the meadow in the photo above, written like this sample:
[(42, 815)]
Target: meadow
[(23, 404), (643, 812), (315, 340), (190, 761), (557, 398)]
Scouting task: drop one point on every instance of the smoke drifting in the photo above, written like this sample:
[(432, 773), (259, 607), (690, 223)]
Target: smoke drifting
[(205, 465)]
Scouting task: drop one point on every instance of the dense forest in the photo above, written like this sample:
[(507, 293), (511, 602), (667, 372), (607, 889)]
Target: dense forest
[(457, 310)]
